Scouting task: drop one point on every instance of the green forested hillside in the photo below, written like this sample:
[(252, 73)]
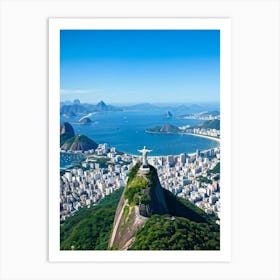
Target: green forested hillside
[(162, 232), (79, 143), (183, 208), (90, 228), (212, 124), (184, 227)]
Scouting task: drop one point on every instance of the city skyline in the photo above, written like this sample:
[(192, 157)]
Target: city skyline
[(140, 65)]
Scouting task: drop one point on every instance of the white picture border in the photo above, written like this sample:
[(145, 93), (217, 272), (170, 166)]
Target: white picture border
[(24, 107), (55, 25)]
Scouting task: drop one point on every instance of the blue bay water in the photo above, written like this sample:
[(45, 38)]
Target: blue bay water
[(125, 130)]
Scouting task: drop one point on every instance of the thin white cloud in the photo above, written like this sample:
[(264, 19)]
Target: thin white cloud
[(78, 91)]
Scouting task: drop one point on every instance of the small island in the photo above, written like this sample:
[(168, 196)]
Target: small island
[(168, 115), (166, 128), (85, 120)]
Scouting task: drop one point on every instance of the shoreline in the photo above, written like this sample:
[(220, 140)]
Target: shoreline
[(151, 156), (174, 155), (204, 136), (187, 133)]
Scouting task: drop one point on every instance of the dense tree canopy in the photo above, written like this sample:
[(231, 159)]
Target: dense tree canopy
[(90, 228), (186, 227), (163, 232)]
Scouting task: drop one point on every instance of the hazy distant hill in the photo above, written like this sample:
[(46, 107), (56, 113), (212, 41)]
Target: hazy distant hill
[(211, 113), (102, 107), (83, 108), (73, 109), (69, 115), (211, 124), (168, 115), (141, 107), (76, 107)]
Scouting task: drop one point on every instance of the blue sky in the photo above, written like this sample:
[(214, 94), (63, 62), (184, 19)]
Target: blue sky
[(134, 66)]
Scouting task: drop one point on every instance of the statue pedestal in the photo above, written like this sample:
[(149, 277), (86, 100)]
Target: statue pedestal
[(144, 170)]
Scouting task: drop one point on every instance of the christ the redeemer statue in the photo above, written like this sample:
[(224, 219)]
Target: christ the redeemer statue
[(144, 153)]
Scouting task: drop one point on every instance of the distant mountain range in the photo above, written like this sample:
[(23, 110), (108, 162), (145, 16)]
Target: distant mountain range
[(71, 109), (189, 108), (77, 107), (141, 107)]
